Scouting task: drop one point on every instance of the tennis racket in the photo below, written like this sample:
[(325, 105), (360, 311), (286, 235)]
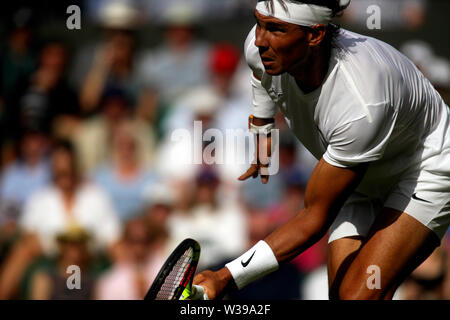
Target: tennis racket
[(174, 280)]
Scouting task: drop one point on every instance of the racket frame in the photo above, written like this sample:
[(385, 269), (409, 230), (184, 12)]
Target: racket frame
[(184, 289)]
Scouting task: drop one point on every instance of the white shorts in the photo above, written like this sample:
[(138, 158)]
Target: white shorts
[(422, 194)]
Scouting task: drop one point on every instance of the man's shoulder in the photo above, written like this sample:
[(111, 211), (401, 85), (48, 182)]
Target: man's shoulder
[(369, 65), (365, 52)]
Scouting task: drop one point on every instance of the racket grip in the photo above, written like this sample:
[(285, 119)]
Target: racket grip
[(198, 293)]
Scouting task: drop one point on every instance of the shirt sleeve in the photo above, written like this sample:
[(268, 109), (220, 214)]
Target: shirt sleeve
[(262, 104), (363, 140)]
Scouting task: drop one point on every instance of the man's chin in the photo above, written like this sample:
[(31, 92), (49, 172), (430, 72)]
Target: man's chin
[(273, 72)]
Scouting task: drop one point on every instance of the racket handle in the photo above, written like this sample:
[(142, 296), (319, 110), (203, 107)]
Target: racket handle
[(198, 293)]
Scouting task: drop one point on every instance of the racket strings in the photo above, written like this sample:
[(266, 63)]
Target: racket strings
[(175, 276)]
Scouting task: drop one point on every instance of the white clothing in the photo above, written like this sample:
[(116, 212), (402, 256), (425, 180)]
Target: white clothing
[(374, 106), (46, 215), (221, 232)]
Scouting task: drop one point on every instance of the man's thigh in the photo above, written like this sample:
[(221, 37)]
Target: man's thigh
[(341, 253), (396, 245)]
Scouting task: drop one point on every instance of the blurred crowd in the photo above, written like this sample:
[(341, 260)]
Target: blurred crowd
[(90, 174)]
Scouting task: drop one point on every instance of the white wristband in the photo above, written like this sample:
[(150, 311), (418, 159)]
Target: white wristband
[(252, 265), (265, 129)]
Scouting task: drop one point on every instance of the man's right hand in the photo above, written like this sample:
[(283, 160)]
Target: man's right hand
[(255, 170), (214, 283), (263, 153)]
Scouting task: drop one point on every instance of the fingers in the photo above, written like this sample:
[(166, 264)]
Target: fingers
[(203, 287), (199, 278), (251, 172), (256, 170), (264, 179), (198, 293), (264, 172)]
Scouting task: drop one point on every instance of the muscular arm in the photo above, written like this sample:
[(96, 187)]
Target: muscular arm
[(327, 190)]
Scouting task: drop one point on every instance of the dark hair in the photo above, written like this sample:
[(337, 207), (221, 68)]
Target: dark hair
[(332, 29), (67, 146), (63, 145)]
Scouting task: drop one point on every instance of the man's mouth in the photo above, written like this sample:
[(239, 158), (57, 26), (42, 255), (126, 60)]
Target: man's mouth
[(267, 61)]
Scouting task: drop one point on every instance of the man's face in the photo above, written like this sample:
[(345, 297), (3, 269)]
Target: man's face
[(63, 170), (282, 46)]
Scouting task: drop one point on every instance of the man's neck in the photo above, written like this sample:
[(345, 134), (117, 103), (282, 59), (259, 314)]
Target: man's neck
[(311, 74)]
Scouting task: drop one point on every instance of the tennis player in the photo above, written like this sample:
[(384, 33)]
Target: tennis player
[(381, 133)]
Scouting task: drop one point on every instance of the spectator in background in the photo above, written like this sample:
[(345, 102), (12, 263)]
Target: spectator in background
[(160, 202), (233, 110), (179, 159), (27, 174), (125, 178), (50, 283), (109, 63), (427, 281), (130, 279), (219, 226), (17, 59), (68, 200), (17, 63), (49, 211), (93, 137), (158, 9), (49, 96), (178, 64), (217, 105)]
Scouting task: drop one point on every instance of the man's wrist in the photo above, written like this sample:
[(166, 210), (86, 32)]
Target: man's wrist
[(261, 126), (262, 121), (226, 277), (252, 265)]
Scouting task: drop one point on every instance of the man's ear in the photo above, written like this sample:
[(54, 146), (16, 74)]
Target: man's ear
[(316, 35)]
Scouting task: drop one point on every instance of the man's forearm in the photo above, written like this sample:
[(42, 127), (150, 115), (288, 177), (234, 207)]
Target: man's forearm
[(285, 243), (298, 234)]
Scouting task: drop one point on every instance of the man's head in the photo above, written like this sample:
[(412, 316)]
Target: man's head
[(64, 166), (286, 38)]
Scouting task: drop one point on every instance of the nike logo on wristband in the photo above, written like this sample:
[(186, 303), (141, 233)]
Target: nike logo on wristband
[(415, 197), (244, 264)]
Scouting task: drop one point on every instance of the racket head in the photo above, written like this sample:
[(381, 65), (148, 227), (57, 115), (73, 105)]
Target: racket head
[(176, 275)]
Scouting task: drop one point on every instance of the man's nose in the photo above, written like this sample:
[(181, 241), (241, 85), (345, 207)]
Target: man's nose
[(261, 39)]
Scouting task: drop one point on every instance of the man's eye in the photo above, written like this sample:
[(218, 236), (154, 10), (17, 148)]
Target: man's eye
[(275, 29)]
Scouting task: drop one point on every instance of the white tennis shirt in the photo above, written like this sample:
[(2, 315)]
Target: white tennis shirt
[(373, 106)]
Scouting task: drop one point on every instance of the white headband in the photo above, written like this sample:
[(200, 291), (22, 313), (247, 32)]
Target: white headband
[(299, 13)]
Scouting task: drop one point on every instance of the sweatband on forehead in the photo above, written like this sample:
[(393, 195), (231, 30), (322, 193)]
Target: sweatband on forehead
[(301, 14)]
